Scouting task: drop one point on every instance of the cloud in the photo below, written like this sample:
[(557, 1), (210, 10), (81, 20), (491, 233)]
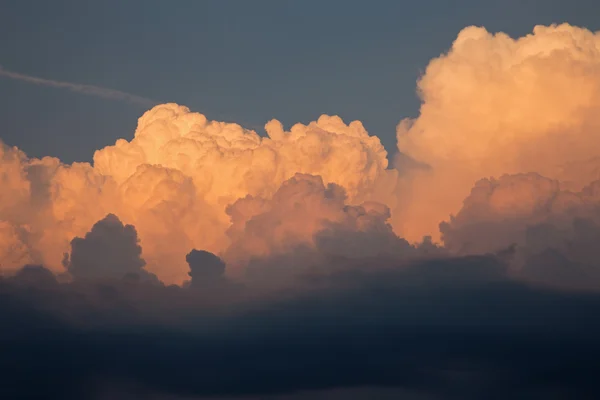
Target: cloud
[(552, 229), (49, 203), (109, 250), (495, 105), (14, 252), (308, 220), (498, 212), (305, 276), (79, 88), (445, 328), (172, 136), (484, 103), (175, 180), (491, 105), (206, 269)]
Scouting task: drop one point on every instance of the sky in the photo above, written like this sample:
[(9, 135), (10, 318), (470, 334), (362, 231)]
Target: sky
[(248, 200), (239, 61)]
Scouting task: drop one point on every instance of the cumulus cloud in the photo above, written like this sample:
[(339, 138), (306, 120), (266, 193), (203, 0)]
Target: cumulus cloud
[(491, 105), (227, 161), (175, 180), (110, 250), (551, 228), (495, 105), (306, 218)]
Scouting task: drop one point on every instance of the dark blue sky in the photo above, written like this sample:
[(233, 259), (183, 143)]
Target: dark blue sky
[(242, 61)]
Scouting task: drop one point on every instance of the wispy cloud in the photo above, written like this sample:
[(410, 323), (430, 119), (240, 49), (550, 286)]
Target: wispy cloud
[(80, 88)]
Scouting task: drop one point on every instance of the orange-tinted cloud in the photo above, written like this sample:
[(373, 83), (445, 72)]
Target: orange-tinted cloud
[(551, 232), (307, 214), (175, 180), (495, 105), (491, 105)]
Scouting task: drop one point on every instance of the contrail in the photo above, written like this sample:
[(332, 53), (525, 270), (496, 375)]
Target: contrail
[(85, 89)]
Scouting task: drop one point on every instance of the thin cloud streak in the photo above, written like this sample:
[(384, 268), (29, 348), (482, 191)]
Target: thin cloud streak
[(80, 88)]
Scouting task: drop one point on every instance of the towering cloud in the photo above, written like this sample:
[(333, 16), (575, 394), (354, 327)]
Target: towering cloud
[(494, 105), (227, 162)]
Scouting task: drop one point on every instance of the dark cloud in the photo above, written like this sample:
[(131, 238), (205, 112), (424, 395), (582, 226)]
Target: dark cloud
[(445, 328), (306, 214), (109, 250), (206, 269)]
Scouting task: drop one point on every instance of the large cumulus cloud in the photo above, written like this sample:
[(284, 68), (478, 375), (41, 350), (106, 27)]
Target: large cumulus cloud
[(174, 181), (227, 161), (493, 105)]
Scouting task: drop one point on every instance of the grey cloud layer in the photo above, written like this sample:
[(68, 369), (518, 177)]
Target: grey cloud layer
[(447, 328)]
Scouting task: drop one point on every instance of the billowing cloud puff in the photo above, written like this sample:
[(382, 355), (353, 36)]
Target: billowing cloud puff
[(171, 218), (14, 252), (307, 215), (110, 250), (498, 212), (552, 229), (206, 269), (494, 105), (227, 162)]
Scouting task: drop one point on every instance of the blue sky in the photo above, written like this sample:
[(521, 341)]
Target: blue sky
[(240, 61)]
